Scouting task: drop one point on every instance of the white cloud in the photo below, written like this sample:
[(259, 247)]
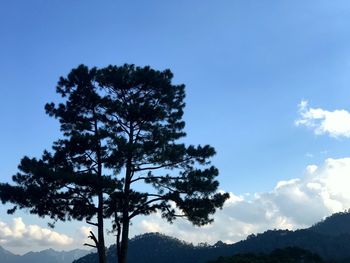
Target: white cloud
[(292, 204), (311, 168), (82, 236), (84, 231), (17, 234), (309, 155), (334, 123), (21, 238), (150, 226)]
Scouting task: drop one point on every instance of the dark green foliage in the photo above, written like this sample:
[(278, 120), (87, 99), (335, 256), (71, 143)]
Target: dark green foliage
[(286, 255), (62, 184), (158, 248), (334, 225), (326, 243), (121, 128), (69, 182), (144, 111)]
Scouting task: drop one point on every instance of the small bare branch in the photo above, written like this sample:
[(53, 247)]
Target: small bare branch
[(91, 223), (156, 177), (93, 237), (89, 245), (163, 165)]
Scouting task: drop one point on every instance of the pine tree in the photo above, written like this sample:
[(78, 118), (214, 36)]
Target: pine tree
[(121, 156), (146, 110), (65, 183)]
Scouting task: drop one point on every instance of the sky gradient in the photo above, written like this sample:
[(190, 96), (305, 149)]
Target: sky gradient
[(267, 85)]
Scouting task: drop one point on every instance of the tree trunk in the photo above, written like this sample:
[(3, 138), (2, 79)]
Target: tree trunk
[(123, 251), (101, 249)]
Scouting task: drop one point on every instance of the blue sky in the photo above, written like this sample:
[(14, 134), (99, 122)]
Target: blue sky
[(246, 64)]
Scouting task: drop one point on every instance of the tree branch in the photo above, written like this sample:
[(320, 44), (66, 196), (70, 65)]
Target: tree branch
[(136, 212), (156, 177), (79, 194), (93, 237), (91, 223), (122, 125), (163, 165), (89, 156), (175, 215), (86, 244)]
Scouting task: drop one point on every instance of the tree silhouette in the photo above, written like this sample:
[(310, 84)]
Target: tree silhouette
[(147, 109), (69, 183), (123, 128)]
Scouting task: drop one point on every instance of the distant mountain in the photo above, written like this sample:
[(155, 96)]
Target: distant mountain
[(329, 238), (47, 256), (53, 256), (7, 256)]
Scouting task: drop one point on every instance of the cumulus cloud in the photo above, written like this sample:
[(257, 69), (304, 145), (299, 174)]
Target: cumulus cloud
[(17, 234), (296, 203), (292, 204), (334, 123)]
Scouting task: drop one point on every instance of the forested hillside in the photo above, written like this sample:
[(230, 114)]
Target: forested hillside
[(285, 255), (329, 238)]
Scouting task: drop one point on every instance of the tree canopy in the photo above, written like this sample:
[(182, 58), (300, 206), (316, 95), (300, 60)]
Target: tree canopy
[(121, 155)]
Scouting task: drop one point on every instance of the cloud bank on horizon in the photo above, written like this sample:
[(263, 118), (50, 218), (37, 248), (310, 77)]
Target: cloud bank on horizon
[(21, 237), (296, 203), (292, 204)]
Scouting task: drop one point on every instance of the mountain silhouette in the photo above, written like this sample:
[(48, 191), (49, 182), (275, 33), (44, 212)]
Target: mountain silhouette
[(334, 225), (48, 255), (7, 256), (284, 255), (329, 238)]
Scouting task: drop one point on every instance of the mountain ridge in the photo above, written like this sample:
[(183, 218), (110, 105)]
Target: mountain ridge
[(319, 238), (48, 255), (329, 238)]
